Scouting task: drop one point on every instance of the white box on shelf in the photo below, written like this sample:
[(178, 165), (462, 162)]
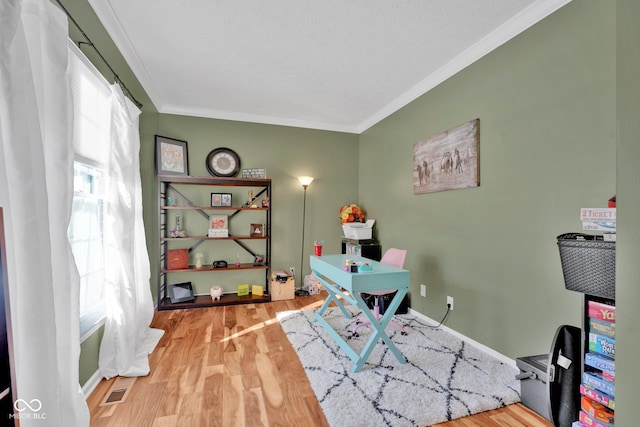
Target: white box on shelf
[(358, 230)]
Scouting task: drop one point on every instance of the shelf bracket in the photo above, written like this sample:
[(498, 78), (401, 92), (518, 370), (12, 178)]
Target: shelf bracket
[(243, 246), (187, 201)]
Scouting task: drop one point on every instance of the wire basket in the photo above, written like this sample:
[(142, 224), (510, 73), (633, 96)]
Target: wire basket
[(588, 265)]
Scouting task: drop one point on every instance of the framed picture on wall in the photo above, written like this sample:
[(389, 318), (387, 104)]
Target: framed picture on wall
[(449, 160), (171, 156)]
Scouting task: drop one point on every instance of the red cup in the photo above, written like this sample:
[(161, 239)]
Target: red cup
[(318, 250)]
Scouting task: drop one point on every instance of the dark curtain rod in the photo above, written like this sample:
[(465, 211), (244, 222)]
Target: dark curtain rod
[(88, 42)]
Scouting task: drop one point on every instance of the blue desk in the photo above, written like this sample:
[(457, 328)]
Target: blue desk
[(329, 269)]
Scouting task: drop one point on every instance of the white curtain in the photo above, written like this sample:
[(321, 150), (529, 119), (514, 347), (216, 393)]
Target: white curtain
[(36, 190), (127, 339)]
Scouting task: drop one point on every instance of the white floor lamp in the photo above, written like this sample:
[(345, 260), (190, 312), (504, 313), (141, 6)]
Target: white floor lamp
[(305, 181)]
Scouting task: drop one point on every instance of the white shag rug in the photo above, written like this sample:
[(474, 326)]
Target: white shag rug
[(444, 378)]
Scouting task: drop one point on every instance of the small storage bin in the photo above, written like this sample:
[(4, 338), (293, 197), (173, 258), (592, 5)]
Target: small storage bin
[(358, 230), (282, 286), (588, 264), (533, 383)]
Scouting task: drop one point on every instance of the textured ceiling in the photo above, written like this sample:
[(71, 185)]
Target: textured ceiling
[(329, 64)]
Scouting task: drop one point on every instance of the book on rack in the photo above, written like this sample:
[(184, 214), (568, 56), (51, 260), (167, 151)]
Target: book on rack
[(609, 376), (600, 362), (595, 380), (598, 396), (353, 249), (607, 215), (586, 420), (599, 226), (602, 327), (601, 311), (597, 411), (598, 219), (602, 344)]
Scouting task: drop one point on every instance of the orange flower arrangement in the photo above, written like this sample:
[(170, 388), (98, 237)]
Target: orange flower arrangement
[(352, 213)]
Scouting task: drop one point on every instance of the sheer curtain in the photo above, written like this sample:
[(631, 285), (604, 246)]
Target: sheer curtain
[(127, 339), (36, 189)]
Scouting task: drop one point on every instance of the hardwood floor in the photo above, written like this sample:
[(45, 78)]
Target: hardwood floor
[(233, 366)]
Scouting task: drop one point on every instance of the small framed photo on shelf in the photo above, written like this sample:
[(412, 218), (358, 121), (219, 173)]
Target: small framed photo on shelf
[(171, 156), (225, 199), (257, 230), (218, 222), (181, 292), (216, 199), (258, 260)]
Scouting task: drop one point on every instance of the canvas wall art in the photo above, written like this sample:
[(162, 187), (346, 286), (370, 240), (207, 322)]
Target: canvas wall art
[(449, 160)]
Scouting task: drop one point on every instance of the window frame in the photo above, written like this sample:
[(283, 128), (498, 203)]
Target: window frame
[(93, 317)]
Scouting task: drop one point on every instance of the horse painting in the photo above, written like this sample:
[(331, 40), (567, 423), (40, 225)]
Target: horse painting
[(448, 161)]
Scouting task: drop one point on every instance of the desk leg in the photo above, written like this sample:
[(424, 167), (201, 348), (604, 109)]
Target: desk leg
[(379, 329), (333, 292)]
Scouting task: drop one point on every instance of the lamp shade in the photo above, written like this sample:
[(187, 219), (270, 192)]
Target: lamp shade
[(305, 180)]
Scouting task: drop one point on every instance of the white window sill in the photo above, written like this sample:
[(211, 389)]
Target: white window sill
[(90, 323)]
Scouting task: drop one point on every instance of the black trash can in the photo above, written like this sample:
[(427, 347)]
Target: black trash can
[(550, 383)]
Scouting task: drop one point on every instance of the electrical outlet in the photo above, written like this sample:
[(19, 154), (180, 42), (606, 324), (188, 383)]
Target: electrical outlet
[(450, 302), (292, 270), (423, 290)]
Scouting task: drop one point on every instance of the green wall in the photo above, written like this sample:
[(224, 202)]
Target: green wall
[(546, 104), (628, 178), (286, 153), (89, 351)]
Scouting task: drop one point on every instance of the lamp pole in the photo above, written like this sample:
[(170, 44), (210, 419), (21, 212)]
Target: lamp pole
[(305, 181)]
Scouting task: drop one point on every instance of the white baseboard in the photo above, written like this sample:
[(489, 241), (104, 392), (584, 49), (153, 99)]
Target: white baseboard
[(504, 359), (91, 384)]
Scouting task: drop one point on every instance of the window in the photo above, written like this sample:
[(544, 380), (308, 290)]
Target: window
[(85, 235), (91, 136)]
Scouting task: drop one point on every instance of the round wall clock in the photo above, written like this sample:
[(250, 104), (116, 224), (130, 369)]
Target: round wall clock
[(223, 162)]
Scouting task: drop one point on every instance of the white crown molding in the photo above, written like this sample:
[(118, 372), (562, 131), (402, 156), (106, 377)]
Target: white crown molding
[(256, 118)]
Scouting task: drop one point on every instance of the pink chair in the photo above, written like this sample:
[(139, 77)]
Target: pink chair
[(394, 257)]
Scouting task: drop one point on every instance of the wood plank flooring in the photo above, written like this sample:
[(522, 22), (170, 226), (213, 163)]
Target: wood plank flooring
[(233, 366)]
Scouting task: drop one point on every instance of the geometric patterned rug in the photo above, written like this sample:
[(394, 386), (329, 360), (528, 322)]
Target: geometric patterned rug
[(444, 377)]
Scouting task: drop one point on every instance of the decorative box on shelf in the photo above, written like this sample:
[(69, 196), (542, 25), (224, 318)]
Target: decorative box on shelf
[(358, 230), (177, 259), (243, 289)]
